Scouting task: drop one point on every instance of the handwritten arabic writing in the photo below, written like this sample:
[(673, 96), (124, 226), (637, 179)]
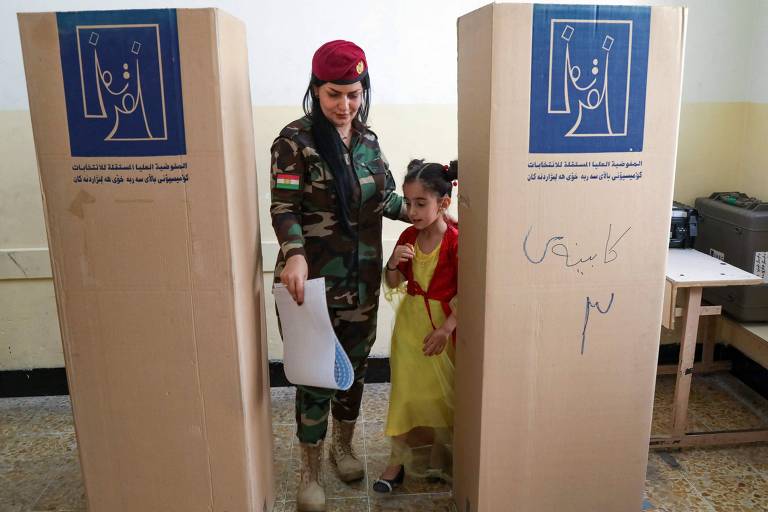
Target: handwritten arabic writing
[(587, 308), (561, 249), (567, 250)]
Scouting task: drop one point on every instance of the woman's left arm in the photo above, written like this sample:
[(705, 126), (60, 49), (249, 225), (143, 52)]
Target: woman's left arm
[(394, 206)]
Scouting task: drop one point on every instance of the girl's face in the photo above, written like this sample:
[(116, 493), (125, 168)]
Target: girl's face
[(423, 205), (340, 103)]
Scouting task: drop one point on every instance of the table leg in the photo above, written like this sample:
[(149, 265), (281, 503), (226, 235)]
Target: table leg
[(691, 312), (709, 337)]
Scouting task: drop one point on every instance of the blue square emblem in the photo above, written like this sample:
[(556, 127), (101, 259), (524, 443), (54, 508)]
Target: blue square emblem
[(122, 82), (589, 66)]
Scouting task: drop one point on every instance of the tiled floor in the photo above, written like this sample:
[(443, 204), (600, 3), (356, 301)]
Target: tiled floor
[(39, 470)]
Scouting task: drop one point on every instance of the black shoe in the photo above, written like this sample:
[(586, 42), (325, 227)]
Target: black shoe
[(384, 486)]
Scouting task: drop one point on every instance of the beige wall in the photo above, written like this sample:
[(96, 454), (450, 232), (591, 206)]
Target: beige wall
[(710, 149), (754, 164), (21, 208), (29, 329), (721, 148)]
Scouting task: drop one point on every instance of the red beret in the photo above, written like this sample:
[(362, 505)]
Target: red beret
[(341, 62)]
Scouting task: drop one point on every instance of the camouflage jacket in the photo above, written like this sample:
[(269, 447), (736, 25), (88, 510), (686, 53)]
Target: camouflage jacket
[(304, 213)]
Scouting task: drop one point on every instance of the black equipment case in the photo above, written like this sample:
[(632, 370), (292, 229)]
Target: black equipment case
[(733, 227), (684, 226)]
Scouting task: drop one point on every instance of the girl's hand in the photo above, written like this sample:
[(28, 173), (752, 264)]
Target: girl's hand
[(402, 253), (436, 341), (293, 276)]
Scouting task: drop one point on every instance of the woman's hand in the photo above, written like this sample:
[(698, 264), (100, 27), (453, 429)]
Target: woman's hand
[(293, 276), (402, 253), (436, 341)]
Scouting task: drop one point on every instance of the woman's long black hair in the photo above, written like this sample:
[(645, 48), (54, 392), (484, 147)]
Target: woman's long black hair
[(330, 147)]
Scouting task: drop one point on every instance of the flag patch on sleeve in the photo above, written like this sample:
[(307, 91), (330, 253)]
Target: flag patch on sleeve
[(288, 182)]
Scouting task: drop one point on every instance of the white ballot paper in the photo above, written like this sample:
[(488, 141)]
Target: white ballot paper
[(312, 353)]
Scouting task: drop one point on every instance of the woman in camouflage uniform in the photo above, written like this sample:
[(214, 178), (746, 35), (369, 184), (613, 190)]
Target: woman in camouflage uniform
[(330, 187)]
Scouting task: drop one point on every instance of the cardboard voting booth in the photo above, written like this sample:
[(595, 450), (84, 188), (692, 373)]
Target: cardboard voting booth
[(143, 132), (568, 121)]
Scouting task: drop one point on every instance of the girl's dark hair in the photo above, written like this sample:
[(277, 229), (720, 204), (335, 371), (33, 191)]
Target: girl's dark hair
[(330, 147), (435, 177)]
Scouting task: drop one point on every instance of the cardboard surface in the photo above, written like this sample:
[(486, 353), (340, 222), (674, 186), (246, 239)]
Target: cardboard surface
[(153, 233), (565, 191)]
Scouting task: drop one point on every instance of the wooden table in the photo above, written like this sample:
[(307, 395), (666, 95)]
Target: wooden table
[(688, 272)]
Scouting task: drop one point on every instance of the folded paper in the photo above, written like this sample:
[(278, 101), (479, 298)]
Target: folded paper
[(312, 353)]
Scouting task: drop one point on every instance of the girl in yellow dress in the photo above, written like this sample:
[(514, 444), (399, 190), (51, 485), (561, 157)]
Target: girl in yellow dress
[(423, 271)]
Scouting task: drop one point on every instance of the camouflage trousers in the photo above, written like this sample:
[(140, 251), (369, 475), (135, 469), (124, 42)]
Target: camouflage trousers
[(356, 330)]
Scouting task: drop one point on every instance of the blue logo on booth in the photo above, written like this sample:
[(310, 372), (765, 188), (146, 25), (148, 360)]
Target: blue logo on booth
[(122, 82), (588, 77)]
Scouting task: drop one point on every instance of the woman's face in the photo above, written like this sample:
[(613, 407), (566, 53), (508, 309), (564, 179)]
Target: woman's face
[(340, 103)]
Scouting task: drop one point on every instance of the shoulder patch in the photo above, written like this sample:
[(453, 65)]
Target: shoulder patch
[(286, 181)]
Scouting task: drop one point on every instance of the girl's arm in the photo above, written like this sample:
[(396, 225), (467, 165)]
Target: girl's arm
[(393, 277), (436, 341), (392, 274), (450, 324)]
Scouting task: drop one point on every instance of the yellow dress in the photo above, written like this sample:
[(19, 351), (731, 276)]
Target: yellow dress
[(421, 386)]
